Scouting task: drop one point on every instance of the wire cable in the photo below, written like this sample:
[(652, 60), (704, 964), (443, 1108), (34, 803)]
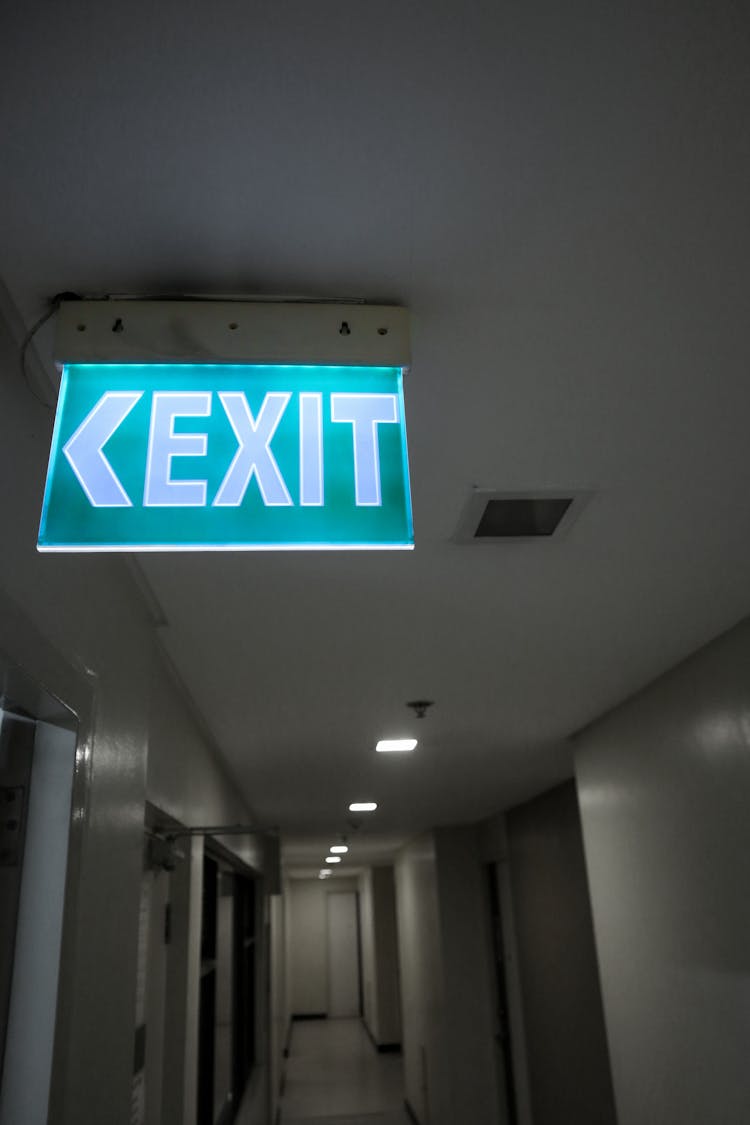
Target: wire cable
[(53, 307), (57, 300)]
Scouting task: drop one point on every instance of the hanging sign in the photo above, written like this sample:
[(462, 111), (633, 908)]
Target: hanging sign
[(177, 457)]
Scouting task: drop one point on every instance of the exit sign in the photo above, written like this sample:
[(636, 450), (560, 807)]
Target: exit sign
[(177, 456)]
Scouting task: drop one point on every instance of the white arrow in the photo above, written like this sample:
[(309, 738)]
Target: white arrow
[(84, 450)]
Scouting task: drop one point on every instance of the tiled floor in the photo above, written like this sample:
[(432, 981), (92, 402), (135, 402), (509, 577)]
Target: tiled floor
[(334, 1076)]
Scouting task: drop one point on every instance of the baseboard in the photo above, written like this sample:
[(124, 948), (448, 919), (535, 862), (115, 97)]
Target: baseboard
[(410, 1112), (309, 1015)]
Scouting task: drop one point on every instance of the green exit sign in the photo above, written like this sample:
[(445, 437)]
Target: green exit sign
[(193, 456)]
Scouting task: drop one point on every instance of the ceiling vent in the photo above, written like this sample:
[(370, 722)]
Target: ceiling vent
[(495, 517)]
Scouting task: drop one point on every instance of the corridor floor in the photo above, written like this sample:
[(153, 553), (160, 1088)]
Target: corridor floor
[(334, 1076)]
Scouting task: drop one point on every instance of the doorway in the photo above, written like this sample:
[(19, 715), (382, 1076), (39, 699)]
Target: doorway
[(228, 993), (37, 766)]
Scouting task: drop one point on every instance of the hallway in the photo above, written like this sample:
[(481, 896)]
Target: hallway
[(334, 1076)]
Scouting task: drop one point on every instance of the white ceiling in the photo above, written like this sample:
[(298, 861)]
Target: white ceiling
[(559, 193)]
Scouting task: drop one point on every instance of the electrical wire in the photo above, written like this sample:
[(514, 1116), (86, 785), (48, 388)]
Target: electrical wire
[(53, 307), (225, 298), (57, 300)]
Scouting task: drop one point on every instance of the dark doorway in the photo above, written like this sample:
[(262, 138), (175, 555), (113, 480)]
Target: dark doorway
[(227, 1020)]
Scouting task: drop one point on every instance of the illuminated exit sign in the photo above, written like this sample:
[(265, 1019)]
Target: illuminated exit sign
[(229, 456)]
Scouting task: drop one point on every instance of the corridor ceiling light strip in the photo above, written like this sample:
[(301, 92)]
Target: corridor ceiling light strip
[(363, 806), (333, 859), (342, 848), (395, 745)]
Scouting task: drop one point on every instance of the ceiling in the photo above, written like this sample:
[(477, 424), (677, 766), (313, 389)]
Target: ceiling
[(558, 193)]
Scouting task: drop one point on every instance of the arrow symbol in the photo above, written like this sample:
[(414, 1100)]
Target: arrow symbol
[(84, 450)]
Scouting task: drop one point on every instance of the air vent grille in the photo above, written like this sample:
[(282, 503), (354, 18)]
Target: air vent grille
[(522, 518), (505, 517)]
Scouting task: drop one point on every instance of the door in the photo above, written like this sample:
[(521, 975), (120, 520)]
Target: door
[(343, 954)]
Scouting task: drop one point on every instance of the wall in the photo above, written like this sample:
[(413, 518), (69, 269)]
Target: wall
[(78, 625), (663, 784), (308, 943), (380, 972), (566, 1048), (386, 944), (278, 999), (446, 984), (185, 778), (514, 1086), (367, 950), (468, 981), (420, 957)]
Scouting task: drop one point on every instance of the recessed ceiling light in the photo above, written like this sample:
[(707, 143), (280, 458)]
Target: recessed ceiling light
[(338, 848), (363, 806), (324, 874), (333, 859), (391, 745)]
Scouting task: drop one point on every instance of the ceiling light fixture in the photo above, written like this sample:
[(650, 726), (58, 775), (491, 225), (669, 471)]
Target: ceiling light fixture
[(395, 745), (363, 806), (333, 859), (420, 706), (342, 848)]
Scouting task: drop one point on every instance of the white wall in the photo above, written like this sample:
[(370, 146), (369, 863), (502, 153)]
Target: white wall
[(308, 942), (367, 947), (421, 961), (663, 789), (278, 1000), (184, 777), (388, 1027), (494, 845), (78, 626), (308, 974), (447, 987), (469, 990), (380, 970), (566, 1047)]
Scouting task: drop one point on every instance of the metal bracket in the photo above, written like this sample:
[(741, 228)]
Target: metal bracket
[(134, 331)]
